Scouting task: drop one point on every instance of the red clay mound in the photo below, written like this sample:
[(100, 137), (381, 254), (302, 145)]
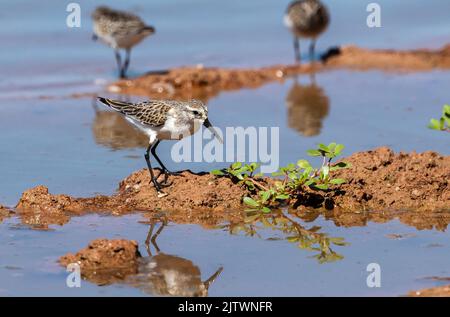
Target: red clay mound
[(105, 261), (378, 180), (383, 180)]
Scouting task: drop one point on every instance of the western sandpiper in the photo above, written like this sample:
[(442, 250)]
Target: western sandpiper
[(119, 30), (163, 120), (307, 19)]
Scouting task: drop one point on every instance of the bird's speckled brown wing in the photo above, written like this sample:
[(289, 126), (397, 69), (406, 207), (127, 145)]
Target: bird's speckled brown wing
[(152, 112)]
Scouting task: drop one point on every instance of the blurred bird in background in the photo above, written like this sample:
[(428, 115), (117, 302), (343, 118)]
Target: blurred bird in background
[(119, 30), (306, 19)]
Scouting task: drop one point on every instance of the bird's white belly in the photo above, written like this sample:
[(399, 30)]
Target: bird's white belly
[(173, 130)]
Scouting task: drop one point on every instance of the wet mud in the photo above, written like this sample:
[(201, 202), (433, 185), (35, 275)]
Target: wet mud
[(105, 261), (414, 184), (5, 213), (440, 291), (201, 82)]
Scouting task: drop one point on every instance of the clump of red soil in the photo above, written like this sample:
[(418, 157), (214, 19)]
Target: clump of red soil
[(441, 291), (204, 83), (378, 180), (38, 208), (105, 261), (414, 60), (5, 213), (383, 180)]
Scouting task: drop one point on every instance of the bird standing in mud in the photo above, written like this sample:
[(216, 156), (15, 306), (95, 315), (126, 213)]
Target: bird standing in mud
[(119, 30), (163, 120), (306, 19)]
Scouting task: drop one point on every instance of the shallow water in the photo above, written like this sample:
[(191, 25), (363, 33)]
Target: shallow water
[(251, 266), (64, 143)]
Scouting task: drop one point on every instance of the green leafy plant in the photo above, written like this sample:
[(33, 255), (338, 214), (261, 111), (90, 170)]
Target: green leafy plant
[(242, 173), (442, 124), (295, 178)]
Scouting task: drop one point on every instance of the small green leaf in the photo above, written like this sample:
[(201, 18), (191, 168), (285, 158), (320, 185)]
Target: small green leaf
[(265, 195), (236, 165), (332, 146), (265, 210), (338, 181), (324, 148), (303, 164), (434, 124), (338, 149), (314, 153), (217, 172), (251, 202), (282, 196), (321, 186)]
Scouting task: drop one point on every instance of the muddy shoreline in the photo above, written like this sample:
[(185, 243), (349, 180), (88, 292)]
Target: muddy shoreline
[(379, 181), (205, 82), (440, 291)]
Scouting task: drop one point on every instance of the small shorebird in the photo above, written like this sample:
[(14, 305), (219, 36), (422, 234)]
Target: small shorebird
[(163, 120), (119, 30), (306, 19)]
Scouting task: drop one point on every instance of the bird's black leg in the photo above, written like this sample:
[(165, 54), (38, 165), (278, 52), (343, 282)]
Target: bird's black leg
[(150, 169), (119, 62), (165, 170), (297, 49), (312, 49), (126, 63), (154, 180)]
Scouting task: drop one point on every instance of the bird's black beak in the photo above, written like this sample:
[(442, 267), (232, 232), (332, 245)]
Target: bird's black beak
[(94, 37), (210, 127)]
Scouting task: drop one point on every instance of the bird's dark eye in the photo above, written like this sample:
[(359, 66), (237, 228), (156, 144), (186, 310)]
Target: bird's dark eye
[(195, 112)]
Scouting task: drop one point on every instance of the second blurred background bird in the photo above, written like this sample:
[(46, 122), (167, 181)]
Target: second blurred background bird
[(119, 30), (306, 19)]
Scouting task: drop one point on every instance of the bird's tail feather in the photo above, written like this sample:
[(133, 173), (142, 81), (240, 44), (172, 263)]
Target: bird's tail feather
[(148, 29), (114, 104)]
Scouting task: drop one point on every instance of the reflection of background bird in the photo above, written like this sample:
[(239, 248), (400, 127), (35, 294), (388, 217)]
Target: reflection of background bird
[(164, 274), (112, 130), (119, 30), (307, 19), (307, 107)]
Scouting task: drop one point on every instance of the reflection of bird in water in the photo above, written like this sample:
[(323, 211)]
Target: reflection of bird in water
[(307, 107), (164, 274), (111, 129), (119, 30), (306, 19)]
